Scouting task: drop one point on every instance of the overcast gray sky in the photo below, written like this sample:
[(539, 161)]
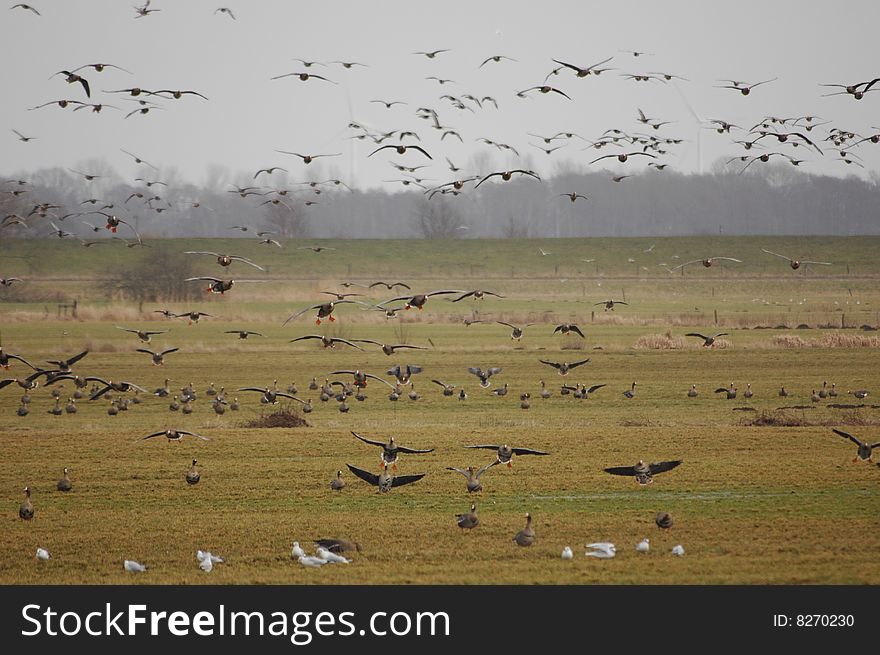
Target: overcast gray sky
[(187, 46)]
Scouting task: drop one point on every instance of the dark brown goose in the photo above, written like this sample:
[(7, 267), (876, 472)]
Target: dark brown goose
[(385, 481), (564, 367)]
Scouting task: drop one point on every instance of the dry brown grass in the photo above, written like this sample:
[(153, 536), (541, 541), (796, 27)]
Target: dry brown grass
[(661, 342), (784, 418), (826, 340)]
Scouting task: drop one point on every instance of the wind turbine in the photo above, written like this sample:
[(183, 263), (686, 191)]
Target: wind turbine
[(700, 125)]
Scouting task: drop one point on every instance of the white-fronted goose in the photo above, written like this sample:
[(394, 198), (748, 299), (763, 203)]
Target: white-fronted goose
[(173, 435), (565, 328), (143, 335), (484, 376), (270, 395), (631, 392), (473, 476), (500, 391), (327, 342), (796, 263), (226, 260), (864, 451), (243, 334), (729, 391), (609, 304), (192, 475), (26, 510), (64, 483), (325, 310), (448, 389), (833, 391), (545, 393), (526, 536), (706, 261), (504, 453), (389, 349), (468, 520), (748, 393), (157, 358), (418, 301), (64, 365), (5, 357), (193, 317), (782, 392), (385, 481), (391, 451), (404, 373), (120, 386), (337, 483), (861, 394), (564, 367), (707, 341), (516, 333), (643, 473), (823, 392), (692, 392), (478, 294)]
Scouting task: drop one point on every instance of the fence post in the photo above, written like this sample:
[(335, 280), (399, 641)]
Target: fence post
[(716, 317)]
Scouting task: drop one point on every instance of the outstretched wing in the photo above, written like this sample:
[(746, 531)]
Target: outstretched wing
[(485, 445), (549, 363), (855, 440), (661, 467), (400, 480), (298, 314), (575, 328), (369, 441), (413, 451), (528, 451), (696, 334), (621, 470), (775, 254), (574, 364), (366, 476)]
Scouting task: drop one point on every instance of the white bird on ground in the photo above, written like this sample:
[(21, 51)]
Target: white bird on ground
[(566, 553), (202, 554), (643, 546), (311, 561), (133, 567), (296, 551), (601, 550), (43, 554), (207, 564), (678, 550), (331, 558)]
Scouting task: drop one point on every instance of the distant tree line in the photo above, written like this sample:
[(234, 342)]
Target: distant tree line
[(768, 199)]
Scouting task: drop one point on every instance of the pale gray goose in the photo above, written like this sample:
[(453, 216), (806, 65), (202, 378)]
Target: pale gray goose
[(526, 536)]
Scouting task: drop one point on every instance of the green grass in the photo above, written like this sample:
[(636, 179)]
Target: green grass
[(751, 504)]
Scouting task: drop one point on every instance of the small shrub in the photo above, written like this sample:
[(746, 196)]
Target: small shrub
[(280, 418)]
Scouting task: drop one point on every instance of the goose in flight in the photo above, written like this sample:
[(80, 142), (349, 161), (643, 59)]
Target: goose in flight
[(174, 435), (385, 481), (644, 473), (795, 263), (706, 261), (225, 260), (504, 453), (325, 310), (708, 341), (391, 451), (864, 451), (563, 367), (473, 476)]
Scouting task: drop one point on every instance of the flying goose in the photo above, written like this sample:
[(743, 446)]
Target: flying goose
[(325, 310), (468, 520), (30, 382), (706, 261), (609, 304), (192, 316), (418, 301), (244, 334), (864, 451), (389, 349), (143, 335), (26, 510), (707, 341), (644, 473), (504, 453), (386, 481), (795, 263), (526, 536), (64, 483), (565, 328), (563, 367), (484, 376), (391, 451), (173, 435), (192, 475), (516, 333), (5, 357), (65, 364), (478, 294), (473, 476), (448, 389), (158, 358), (403, 373), (225, 260), (327, 342), (270, 395), (120, 386)]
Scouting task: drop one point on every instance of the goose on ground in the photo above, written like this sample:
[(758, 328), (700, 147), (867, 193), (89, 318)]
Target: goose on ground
[(26, 510), (468, 520), (473, 475), (192, 475), (526, 536), (64, 483)]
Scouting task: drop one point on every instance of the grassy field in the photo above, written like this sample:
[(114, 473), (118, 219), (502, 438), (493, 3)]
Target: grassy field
[(763, 496)]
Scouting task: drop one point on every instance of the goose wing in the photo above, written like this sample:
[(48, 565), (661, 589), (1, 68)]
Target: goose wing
[(369, 441), (661, 467), (528, 451), (621, 470), (366, 476), (855, 440), (400, 480)]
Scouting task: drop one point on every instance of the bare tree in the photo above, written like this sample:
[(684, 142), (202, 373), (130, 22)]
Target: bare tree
[(288, 220), (438, 219)]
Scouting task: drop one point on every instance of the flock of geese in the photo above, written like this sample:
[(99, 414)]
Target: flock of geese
[(124, 393), (789, 135)]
